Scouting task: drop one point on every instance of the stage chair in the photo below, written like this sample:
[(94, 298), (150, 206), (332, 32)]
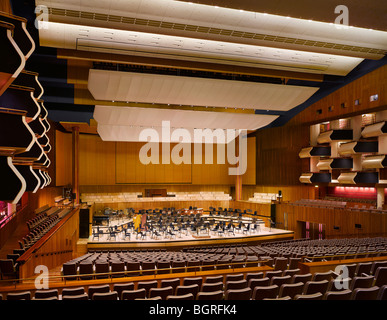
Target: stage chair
[(234, 277), (380, 276), (318, 276), (254, 275)]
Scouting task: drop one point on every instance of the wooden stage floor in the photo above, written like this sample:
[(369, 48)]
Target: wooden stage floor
[(184, 241)]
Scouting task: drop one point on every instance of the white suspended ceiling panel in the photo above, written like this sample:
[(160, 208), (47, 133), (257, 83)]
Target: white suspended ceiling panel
[(126, 123), (176, 90), (97, 39), (178, 17)]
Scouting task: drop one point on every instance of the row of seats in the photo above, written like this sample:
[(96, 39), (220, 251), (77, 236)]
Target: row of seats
[(252, 286)]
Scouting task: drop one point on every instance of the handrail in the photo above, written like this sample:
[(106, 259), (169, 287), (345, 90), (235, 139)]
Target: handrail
[(38, 244), (9, 217)]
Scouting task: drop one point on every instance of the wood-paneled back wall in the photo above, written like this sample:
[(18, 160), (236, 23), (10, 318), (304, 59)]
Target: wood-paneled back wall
[(104, 163), (372, 224), (342, 101)]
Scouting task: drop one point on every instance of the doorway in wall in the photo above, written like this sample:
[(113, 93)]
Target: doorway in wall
[(312, 230)]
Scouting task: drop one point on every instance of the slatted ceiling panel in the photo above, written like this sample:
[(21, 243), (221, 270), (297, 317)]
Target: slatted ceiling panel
[(177, 90), (176, 15)]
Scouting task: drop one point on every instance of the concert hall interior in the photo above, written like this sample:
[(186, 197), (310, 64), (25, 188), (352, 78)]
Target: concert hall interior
[(193, 150)]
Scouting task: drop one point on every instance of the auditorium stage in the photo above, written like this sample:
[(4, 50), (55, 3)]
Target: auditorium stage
[(184, 241)]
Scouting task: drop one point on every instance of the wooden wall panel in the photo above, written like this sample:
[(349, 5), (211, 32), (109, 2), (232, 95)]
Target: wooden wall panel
[(63, 163), (96, 161), (372, 83), (278, 163), (129, 168), (250, 176), (373, 224), (212, 173)]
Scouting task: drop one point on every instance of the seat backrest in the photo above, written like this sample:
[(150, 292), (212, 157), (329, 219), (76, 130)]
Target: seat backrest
[(112, 295), (380, 276), (291, 289), (120, 287), (210, 295), (182, 290), (73, 291), (188, 296), (259, 282), (212, 279), (382, 295), (234, 277), (362, 282), (41, 294), (363, 267), (211, 287), (133, 294), (25, 295), (337, 295), (147, 285), (195, 280), (238, 294), (312, 287), (302, 278), (82, 296), (313, 296), (254, 275), (280, 263), (104, 288), (318, 276), (365, 293), (170, 282), (260, 293), (161, 292), (231, 285), (279, 281)]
